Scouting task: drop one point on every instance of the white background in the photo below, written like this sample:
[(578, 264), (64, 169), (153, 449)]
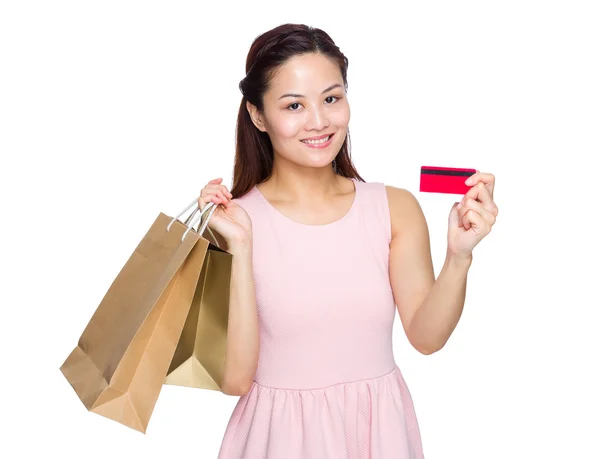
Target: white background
[(114, 111)]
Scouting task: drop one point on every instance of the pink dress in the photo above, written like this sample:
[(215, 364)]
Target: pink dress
[(327, 385)]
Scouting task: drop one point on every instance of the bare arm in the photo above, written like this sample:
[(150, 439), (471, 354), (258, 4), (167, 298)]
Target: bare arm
[(437, 317), (429, 309), (241, 356)]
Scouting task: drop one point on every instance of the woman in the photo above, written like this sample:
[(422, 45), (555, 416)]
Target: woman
[(321, 258)]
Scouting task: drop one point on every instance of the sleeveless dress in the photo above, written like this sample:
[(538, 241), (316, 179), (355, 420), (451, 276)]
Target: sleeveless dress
[(327, 385)]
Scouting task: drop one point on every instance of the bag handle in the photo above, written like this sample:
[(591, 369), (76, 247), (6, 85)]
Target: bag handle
[(201, 216), (210, 206)]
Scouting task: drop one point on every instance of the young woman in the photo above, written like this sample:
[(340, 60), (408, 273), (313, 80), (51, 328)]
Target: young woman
[(321, 261)]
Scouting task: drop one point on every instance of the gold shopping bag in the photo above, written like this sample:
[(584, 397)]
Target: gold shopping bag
[(199, 359), (120, 362)]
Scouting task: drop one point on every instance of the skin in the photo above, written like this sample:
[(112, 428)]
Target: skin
[(304, 187), (430, 308), (303, 183)]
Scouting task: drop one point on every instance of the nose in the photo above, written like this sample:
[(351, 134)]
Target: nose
[(317, 119)]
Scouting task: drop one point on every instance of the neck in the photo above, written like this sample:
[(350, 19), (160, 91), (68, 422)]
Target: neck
[(304, 185)]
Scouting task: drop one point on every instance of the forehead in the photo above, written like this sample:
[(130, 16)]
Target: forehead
[(306, 73)]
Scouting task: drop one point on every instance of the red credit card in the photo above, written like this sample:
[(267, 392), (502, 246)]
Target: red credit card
[(445, 179)]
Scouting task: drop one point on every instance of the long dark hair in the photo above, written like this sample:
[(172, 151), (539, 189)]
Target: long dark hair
[(254, 151)]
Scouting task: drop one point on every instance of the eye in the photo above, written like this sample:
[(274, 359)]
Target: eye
[(332, 97), (291, 105)]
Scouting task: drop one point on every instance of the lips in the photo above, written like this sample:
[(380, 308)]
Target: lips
[(319, 137), (323, 142)]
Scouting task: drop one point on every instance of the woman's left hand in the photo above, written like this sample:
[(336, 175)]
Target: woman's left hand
[(472, 218)]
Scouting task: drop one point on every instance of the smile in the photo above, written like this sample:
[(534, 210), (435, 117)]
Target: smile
[(321, 143)]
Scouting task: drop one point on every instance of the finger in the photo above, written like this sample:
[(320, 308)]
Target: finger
[(203, 190), (207, 196), (461, 216), (209, 191), (481, 194), (217, 197), (201, 200), (475, 221), (465, 222), (471, 204), (479, 177), (226, 191), (216, 187), (488, 180), (221, 195), (487, 200), (473, 193), (461, 213), (463, 209)]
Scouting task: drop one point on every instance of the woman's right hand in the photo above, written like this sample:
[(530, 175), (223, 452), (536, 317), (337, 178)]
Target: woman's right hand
[(229, 219)]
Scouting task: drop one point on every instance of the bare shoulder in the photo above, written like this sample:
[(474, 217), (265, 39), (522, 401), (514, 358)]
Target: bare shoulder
[(405, 210)]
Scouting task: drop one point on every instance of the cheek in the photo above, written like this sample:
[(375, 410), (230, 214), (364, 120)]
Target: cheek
[(289, 127), (283, 126), (341, 117)]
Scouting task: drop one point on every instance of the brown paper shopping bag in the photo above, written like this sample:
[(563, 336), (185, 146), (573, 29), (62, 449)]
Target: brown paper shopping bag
[(199, 359), (120, 363)]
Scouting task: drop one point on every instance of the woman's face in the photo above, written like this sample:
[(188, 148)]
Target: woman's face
[(305, 99)]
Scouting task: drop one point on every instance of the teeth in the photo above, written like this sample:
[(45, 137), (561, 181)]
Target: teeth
[(317, 142)]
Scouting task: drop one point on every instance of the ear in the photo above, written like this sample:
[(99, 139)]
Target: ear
[(256, 116)]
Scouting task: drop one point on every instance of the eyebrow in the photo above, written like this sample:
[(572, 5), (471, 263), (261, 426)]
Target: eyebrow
[(333, 86)]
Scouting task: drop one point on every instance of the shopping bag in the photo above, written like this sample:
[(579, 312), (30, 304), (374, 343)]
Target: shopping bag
[(120, 362), (199, 359)]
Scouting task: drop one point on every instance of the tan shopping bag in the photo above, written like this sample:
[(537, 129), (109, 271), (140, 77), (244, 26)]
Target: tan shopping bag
[(120, 363), (199, 359)]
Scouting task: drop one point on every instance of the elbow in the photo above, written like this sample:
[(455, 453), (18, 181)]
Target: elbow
[(422, 345), (228, 390), (426, 350), (236, 389)]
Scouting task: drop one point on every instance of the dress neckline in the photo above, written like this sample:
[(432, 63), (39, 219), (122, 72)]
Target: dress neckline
[(306, 225)]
